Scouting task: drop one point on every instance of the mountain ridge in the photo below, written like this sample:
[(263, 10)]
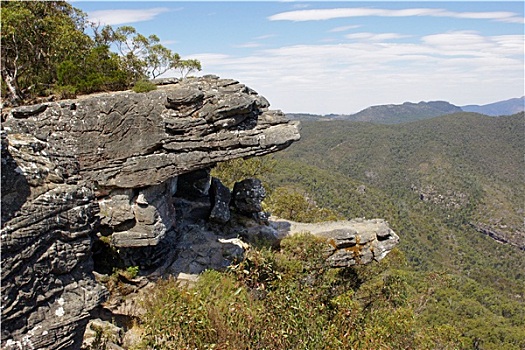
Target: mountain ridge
[(410, 111), (505, 107)]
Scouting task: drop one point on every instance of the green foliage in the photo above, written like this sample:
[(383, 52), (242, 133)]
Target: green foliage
[(44, 48), (144, 56), (134, 50), (132, 272), (186, 67), (144, 86), (65, 91), (470, 161), (457, 289), (467, 164), (329, 189), (235, 170), (289, 299), (286, 202), (160, 59), (360, 169), (36, 37), (99, 71), (289, 202)]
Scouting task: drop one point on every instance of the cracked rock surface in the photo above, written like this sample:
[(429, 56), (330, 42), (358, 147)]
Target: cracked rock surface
[(130, 140), (48, 214), (107, 166)]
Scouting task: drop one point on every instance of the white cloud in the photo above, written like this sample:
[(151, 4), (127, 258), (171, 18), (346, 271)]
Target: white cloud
[(248, 45), (300, 6), (326, 14), (375, 37), (266, 36), (124, 16), (474, 44), (461, 67), (343, 28)]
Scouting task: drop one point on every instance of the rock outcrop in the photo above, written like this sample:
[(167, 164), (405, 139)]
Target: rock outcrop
[(121, 170), (122, 179), (130, 140), (48, 215), (349, 243)]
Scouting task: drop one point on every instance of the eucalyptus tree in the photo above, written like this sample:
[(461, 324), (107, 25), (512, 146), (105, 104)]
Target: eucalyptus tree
[(45, 49), (36, 37)]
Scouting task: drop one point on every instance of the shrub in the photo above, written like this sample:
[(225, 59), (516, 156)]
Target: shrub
[(144, 86), (285, 299), (291, 203), (65, 92)]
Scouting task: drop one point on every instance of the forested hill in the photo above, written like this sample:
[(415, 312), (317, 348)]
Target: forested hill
[(449, 186), (390, 113), (393, 114), (465, 161)]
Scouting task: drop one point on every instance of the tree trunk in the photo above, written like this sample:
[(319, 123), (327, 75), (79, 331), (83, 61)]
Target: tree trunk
[(10, 82)]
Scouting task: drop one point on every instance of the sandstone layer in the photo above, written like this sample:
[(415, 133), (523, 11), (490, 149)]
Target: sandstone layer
[(116, 168), (349, 243)]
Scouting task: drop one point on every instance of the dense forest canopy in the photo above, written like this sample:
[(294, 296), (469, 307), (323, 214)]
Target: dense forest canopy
[(46, 49)]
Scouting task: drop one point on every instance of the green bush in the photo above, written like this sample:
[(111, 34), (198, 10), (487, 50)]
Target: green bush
[(285, 299), (235, 170), (65, 91), (144, 86), (289, 202)]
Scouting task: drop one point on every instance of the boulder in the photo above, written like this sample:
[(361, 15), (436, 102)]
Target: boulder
[(247, 196), (349, 243), (220, 197)]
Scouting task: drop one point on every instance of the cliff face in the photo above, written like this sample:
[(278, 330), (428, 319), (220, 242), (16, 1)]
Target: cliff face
[(130, 140), (48, 214), (123, 179), (105, 168)]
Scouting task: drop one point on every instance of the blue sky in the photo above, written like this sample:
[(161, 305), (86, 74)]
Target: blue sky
[(341, 57)]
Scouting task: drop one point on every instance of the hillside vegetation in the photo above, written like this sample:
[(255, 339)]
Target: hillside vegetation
[(406, 112), (438, 182), (466, 165), (447, 286)]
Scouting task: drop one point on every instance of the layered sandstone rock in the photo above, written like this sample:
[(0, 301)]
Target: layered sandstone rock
[(125, 178), (48, 215), (353, 242), (117, 168)]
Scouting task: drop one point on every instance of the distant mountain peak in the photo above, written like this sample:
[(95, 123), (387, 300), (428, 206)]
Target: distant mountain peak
[(412, 111), (408, 111), (506, 107)]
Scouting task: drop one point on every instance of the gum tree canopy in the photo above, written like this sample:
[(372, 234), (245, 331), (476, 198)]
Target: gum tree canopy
[(45, 49), (36, 37)]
